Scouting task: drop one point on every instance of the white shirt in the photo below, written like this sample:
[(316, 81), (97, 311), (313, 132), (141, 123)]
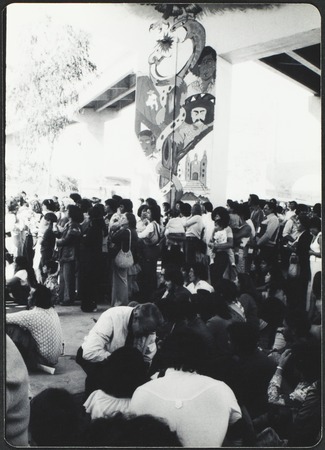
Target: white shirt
[(197, 407), (194, 226), (99, 404), (201, 284)]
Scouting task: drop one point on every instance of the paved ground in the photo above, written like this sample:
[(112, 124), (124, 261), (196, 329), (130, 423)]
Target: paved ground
[(68, 374)]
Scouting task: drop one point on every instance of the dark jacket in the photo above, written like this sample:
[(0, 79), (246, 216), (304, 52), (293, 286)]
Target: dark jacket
[(47, 246), (69, 242)]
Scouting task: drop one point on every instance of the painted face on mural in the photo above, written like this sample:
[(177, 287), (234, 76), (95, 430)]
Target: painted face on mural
[(146, 144), (198, 115), (207, 68)]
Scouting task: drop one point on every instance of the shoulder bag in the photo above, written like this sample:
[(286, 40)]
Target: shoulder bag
[(294, 266), (124, 260)]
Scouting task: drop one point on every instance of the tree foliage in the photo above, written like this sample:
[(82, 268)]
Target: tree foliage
[(57, 63), (51, 66)]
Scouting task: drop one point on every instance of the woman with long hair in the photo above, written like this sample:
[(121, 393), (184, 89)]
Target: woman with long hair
[(149, 253), (124, 239), (68, 244)]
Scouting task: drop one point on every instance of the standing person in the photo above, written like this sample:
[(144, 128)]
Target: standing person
[(267, 240), (122, 239), (69, 245), (142, 220), (256, 212), (125, 206), (110, 209), (315, 258), (242, 235), (134, 270), (208, 224), (47, 242), (149, 253), (194, 228), (291, 211), (11, 227), (90, 261), (297, 286), (315, 250), (221, 245)]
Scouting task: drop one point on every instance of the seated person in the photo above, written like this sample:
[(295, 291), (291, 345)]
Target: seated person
[(124, 371), (197, 278), (54, 419), (172, 288), (253, 369), (37, 332), (199, 408), (130, 431), (301, 424), (118, 327), (17, 401), (19, 286)]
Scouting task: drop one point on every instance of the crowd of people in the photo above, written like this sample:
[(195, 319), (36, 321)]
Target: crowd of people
[(212, 332)]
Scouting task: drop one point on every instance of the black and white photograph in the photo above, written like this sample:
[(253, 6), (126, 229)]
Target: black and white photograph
[(162, 212)]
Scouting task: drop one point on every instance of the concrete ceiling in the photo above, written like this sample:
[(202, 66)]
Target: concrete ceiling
[(285, 37)]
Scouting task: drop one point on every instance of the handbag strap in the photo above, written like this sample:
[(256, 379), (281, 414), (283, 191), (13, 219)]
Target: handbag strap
[(129, 239)]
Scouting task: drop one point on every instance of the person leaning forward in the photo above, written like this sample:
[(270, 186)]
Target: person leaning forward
[(118, 327)]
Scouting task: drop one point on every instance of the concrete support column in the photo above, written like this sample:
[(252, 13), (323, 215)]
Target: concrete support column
[(218, 169)]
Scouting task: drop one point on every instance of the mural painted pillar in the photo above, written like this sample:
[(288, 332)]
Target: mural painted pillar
[(175, 103)]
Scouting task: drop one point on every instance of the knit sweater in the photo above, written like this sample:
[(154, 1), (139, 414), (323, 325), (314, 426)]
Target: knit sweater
[(44, 326)]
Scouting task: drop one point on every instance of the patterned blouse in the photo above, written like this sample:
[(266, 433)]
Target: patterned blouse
[(44, 325)]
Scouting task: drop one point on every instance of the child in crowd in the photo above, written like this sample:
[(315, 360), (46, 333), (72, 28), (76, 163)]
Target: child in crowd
[(51, 271), (220, 237)]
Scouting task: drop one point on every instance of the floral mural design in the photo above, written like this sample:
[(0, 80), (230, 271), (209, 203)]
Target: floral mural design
[(175, 101)]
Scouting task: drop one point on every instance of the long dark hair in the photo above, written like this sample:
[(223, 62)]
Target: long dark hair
[(23, 264), (155, 213)]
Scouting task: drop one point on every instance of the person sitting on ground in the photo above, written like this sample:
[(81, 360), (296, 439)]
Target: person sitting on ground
[(117, 327), (37, 332), (247, 297), (302, 423), (253, 369), (130, 431), (173, 289), (17, 402), (55, 419), (198, 276), (19, 286), (199, 408), (229, 291), (124, 371)]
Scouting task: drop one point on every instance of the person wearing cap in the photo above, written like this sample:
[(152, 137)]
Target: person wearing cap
[(117, 327)]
